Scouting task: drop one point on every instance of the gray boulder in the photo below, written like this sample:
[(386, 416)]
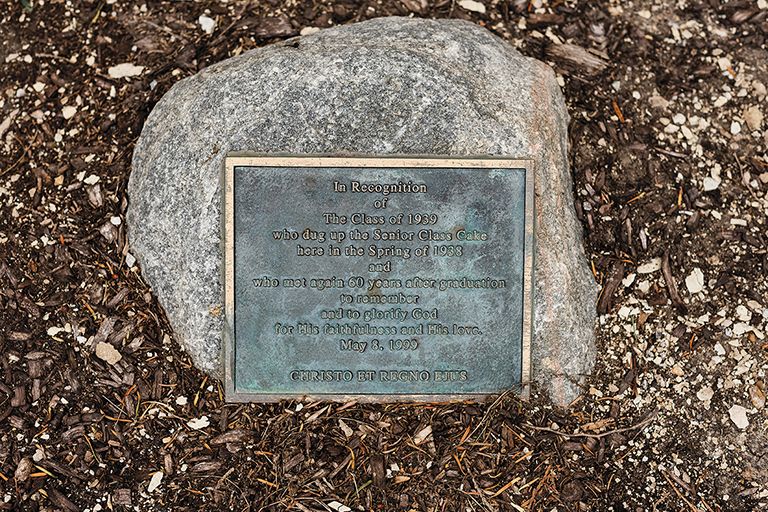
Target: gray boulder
[(385, 86)]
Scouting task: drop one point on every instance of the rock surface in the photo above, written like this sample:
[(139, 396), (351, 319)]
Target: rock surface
[(385, 86)]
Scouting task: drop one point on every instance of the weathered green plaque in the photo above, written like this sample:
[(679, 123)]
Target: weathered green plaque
[(376, 278)]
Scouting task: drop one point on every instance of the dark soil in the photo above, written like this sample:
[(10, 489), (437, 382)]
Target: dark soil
[(77, 433)]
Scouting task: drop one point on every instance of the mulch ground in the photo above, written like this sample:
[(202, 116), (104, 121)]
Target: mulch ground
[(668, 152)]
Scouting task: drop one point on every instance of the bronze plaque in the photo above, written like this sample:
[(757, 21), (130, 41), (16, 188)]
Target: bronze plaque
[(377, 278)]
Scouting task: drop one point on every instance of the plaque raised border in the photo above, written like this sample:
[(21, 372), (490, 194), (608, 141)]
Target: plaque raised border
[(238, 159)]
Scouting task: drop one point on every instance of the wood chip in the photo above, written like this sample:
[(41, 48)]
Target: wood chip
[(674, 295), (422, 435), (576, 59)]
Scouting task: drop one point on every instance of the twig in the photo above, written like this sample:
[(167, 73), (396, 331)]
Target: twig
[(488, 412), (597, 436), (679, 495), (666, 271)]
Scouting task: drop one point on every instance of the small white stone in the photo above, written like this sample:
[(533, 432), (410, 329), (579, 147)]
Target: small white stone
[(711, 183), (473, 6), (695, 281), (181, 400), (339, 507), (115, 220), (125, 70), (744, 314), (130, 260), (68, 111), (650, 267), (735, 128), (198, 423), (657, 101), (38, 455), (645, 13), (154, 482), (309, 31), (627, 281), (753, 117), (106, 352), (207, 24), (705, 394), (741, 328), (678, 119), (738, 416), (91, 180)]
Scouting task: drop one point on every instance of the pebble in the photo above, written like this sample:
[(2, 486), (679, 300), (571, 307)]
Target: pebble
[(154, 482), (198, 423), (68, 111), (735, 128), (473, 6), (759, 88), (650, 267), (339, 507), (695, 281), (657, 101), (753, 117), (23, 470), (125, 70), (207, 24), (309, 30), (106, 352), (743, 313), (705, 394), (738, 416), (711, 183)]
